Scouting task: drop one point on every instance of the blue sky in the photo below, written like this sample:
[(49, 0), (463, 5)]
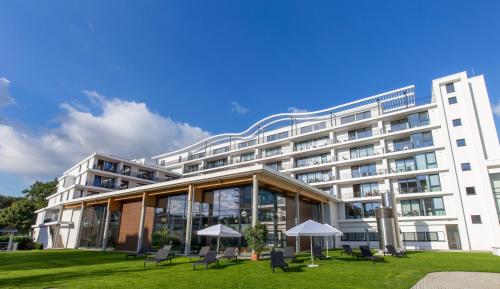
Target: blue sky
[(200, 67)]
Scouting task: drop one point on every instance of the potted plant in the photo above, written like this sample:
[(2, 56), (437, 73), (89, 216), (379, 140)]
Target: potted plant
[(256, 239), (161, 238)]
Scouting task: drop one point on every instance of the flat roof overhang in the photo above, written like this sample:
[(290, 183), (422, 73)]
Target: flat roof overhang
[(214, 180)]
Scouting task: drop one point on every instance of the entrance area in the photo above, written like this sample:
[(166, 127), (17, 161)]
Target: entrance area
[(453, 237)]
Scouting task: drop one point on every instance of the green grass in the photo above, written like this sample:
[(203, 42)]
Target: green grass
[(88, 269)]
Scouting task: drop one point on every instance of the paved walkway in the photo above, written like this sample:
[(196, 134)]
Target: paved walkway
[(459, 280)]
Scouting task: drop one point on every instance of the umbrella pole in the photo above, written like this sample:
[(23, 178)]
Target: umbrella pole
[(218, 241), (327, 254), (312, 257)]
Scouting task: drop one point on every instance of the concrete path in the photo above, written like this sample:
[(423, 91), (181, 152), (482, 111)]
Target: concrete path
[(459, 280)]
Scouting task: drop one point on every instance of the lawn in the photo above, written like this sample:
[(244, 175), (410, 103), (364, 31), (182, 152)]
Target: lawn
[(89, 269)]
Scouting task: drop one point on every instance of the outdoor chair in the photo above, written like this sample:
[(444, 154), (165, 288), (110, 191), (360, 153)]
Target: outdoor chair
[(210, 257), (162, 255), (392, 251), (290, 254), (278, 261), (318, 253), (229, 254), (346, 249), (366, 253), (203, 251), (141, 253)]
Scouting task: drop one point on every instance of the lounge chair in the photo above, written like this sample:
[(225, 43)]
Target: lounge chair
[(278, 261), (290, 254), (392, 251), (162, 255), (318, 253), (366, 253), (210, 257), (203, 251), (346, 249), (141, 253), (229, 254)]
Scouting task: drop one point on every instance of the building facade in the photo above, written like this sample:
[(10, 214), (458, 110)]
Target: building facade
[(438, 156)]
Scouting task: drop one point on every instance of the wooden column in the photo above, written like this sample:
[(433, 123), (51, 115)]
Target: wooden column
[(141, 223), (189, 220)]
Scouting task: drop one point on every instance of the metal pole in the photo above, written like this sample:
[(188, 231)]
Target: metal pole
[(189, 220)]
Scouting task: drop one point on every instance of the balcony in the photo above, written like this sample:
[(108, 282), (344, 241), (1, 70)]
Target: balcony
[(355, 175), (105, 185), (308, 163), (145, 176), (360, 154), (111, 169)]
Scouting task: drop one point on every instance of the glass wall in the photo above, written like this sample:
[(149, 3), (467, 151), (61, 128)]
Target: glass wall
[(272, 214), (92, 229), (359, 210), (170, 213), (420, 184), (423, 207)]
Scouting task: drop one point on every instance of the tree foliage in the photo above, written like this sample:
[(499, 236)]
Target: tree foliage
[(256, 237), (19, 215), (38, 191), (161, 238), (6, 201)]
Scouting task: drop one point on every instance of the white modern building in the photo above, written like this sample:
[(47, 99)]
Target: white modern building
[(437, 155), (94, 175)]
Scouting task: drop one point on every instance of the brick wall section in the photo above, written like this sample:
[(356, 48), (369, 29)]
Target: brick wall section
[(129, 226)]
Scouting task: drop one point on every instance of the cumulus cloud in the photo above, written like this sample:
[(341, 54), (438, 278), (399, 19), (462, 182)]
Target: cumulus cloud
[(124, 128), (496, 109), (238, 108), (5, 98), (293, 109)]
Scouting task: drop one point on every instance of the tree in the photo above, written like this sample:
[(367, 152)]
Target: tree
[(38, 191), (19, 215), (161, 238), (256, 237), (6, 201)]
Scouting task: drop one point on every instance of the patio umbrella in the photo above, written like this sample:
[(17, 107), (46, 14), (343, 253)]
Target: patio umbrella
[(312, 229), (337, 233), (219, 231)]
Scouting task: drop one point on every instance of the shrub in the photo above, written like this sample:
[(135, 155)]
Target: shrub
[(256, 237), (162, 237), (23, 242)]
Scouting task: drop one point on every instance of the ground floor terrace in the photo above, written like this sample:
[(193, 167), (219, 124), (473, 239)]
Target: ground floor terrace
[(97, 269), (125, 220)]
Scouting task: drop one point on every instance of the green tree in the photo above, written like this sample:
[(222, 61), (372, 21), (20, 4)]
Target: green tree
[(6, 201), (161, 238), (38, 191), (19, 215), (256, 237)]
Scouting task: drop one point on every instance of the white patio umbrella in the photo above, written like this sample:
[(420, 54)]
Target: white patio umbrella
[(312, 229), (337, 233), (219, 231)]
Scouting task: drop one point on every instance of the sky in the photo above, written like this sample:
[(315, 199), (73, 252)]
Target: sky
[(141, 78)]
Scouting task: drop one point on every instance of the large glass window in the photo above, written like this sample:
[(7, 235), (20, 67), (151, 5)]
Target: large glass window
[(359, 210), (312, 160), (106, 166), (423, 207), (422, 139), (247, 144), (277, 136), (362, 151), (417, 162), (273, 151), (363, 170), (272, 214), (356, 117), (312, 143), (360, 133), (216, 163), (365, 190), (247, 157), (420, 184), (92, 229), (312, 127), (314, 177), (220, 150), (418, 119)]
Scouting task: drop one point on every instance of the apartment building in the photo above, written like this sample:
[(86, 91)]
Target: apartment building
[(94, 175), (437, 154)]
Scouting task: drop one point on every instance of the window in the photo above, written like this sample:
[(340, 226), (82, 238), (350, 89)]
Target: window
[(363, 170), (418, 119), (476, 219), (359, 236), (220, 150), (277, 136), (247, 157), (246, 144), (312, 127), (312, 160), (362, 151), (460, 142), (420, 184), (450, 87), (303, 145), (470, 191), (273, 151), (452, 100), (457, 122), (216, 163), (423, 236), (314, 177), (465, 167), (360, 133), (356, 117), (423, 207), (196, 156), (277, 166), (365, 190), (191, 168)]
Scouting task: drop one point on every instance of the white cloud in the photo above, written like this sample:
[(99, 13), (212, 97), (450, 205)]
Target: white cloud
[(496, 109), (238, 108), (123, 128), (293, 109), (5, 98)]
